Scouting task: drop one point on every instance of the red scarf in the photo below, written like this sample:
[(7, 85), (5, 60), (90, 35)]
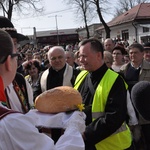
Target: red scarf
[(2, 92)]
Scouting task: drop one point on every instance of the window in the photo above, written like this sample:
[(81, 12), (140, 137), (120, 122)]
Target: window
[(145, 29), (125, 34)]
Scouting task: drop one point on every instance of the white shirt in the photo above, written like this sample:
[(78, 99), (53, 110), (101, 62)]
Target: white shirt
[(116, 68), (131, 112), (18, 131)]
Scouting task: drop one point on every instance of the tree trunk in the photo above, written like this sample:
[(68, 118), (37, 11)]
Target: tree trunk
[(9, 14), (86, 27), (107, 29)]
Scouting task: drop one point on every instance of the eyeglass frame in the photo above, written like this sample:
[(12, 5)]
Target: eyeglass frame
[(12, 56)]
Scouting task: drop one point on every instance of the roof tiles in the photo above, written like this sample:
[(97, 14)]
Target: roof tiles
[(141, 11)]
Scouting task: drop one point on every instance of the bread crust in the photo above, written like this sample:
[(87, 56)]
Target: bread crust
[(59, 99)]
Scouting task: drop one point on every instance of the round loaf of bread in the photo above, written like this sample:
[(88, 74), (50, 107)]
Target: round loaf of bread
[(59, 99)]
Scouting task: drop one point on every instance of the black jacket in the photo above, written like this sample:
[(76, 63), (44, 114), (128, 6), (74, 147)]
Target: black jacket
[(115, 110)]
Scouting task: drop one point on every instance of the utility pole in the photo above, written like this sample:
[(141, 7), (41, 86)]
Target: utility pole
[(34, 37), (57, 30)]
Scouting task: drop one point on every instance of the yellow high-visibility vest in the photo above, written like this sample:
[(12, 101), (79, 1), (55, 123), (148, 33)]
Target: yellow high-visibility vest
[(121, 139)]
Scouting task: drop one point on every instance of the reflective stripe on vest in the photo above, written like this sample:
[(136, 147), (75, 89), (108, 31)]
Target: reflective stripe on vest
[(101, 114), (122, 128), (98, 114)]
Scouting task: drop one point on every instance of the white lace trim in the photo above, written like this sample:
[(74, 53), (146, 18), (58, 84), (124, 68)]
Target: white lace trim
[(8, 28)]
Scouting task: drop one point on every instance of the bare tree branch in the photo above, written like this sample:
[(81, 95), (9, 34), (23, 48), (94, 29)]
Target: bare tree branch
[(20, 6), (83, 11)]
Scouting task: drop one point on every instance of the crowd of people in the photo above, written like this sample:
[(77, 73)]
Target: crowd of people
[(104, 74), (132, 63)]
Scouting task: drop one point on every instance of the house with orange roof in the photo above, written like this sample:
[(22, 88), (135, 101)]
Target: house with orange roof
[(133, 25)]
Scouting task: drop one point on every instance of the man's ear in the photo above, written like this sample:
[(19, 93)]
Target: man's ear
[(8, 63), (99, 55)]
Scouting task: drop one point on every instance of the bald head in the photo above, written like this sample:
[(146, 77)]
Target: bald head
[(56, 57), (56, 48), (109, 45)]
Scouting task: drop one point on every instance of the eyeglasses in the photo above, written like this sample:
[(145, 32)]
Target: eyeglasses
[(3, 59), (15, 55)]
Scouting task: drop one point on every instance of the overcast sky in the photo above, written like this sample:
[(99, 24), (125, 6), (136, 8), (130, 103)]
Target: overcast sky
[(65, 18)]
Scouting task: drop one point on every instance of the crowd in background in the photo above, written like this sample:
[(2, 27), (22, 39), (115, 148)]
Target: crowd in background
[(33, 62), (116, 60)]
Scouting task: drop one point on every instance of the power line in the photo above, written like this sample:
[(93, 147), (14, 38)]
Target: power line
[(59, 11)]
